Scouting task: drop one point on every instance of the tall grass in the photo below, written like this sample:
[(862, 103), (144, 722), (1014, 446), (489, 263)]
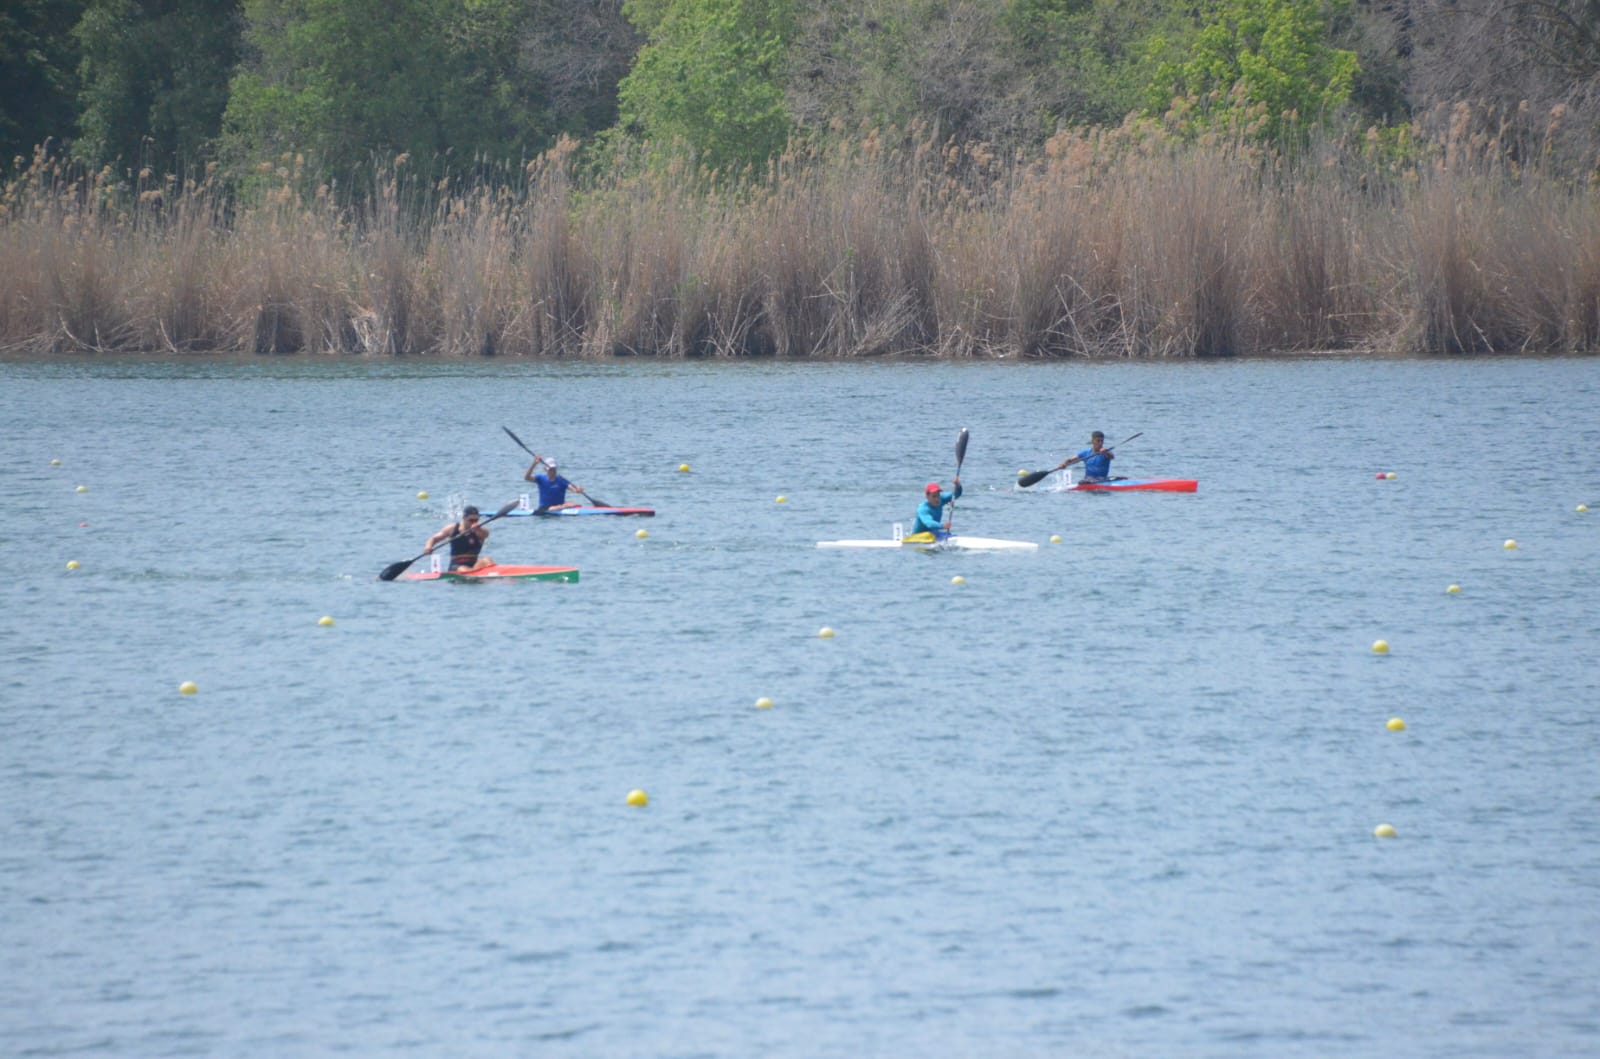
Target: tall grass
[(1110, 243)]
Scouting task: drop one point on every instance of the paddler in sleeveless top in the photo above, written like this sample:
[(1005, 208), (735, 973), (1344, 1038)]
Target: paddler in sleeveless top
[(466, 541), (1096, 459), (552, 486), (930, 515)]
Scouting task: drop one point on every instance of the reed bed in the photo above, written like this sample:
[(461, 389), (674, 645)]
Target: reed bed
[(1111, 243)]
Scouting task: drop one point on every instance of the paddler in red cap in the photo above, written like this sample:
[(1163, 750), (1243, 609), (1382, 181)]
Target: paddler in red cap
[(930, 515)]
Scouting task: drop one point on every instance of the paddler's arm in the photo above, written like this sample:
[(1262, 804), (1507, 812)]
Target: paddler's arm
[(438, 538), (527, 476)]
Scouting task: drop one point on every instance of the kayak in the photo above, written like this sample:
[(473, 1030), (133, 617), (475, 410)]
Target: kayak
[(1121, 485), (954, 542), (499, 572), (526, 510)]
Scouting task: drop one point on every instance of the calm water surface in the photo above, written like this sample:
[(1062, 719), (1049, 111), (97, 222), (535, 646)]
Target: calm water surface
[(1112, 798)]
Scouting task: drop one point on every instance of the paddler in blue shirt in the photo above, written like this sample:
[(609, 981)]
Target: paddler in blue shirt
[(552, 487), (930, 515), (1096, 459)]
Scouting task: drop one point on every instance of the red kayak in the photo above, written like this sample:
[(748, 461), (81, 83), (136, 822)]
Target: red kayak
[(1122, 485), (500, 572)]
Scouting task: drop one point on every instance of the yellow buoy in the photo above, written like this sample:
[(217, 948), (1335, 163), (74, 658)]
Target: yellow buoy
[(958, 580), (1396, 725), (1055, 538), (825, 633), (83, 489), (641, 534), (1509, 545), (325, 620), (1380, 647), (638, 797), (1583, 507), (763, 703), (55, 463), (1384, 831), (1390, 476), (72, 564), (782, 499), (188, 687), (1454, 590), (684, 467), (423, 495)]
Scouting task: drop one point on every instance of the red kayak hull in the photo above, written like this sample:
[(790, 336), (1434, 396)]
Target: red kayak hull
[(500, 572)]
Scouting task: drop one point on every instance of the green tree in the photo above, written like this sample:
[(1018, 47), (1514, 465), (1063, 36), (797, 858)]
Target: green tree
[(709, 76), (344, 80), (953, 65), (1090, 61), (154, 79), (573, 56), (38, 75), (1268, 53)]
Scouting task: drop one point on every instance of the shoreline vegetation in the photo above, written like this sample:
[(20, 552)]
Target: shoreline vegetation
[(1124, 243)]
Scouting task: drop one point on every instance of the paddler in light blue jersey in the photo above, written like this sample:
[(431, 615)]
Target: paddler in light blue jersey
[(1096, 459), (930, 515), (552, 487)]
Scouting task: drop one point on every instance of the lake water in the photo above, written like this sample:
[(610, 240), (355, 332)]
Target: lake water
[(1116, 797)]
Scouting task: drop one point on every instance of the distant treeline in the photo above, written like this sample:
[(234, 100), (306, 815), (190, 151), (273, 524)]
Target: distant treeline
[(1032, 178)]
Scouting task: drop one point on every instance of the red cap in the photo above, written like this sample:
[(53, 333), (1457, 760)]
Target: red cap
[(933, 487)]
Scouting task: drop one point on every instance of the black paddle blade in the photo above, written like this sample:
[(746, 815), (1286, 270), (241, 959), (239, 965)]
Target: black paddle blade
[(394, 570), (1033, 478), (961, 448)]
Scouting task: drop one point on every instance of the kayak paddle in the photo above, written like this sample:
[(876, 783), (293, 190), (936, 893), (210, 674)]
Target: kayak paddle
[(596, 501), (394, 570), (961, 454), (1030, 478)]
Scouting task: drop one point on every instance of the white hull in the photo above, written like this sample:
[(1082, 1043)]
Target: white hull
[(953, 542)]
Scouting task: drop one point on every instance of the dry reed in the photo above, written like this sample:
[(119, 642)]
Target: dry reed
[(1111, 243)]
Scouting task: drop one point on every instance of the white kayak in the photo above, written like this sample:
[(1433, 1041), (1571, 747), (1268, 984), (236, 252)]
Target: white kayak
[(951, 543)]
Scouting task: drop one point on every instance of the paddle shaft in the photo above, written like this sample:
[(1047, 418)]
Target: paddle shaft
[(593, 499), (394, 570), (961, 454)]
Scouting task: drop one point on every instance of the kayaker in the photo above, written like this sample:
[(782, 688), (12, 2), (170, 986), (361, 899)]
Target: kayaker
[(552, 487), (930, 515), (1096, 459), (466, 541)]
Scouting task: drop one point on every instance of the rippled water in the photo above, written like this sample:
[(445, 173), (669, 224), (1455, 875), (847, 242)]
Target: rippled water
[(1115, 797)]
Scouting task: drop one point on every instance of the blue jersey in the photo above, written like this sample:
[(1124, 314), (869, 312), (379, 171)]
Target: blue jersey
[(551, 491), (1096, 464), (930, 516)]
